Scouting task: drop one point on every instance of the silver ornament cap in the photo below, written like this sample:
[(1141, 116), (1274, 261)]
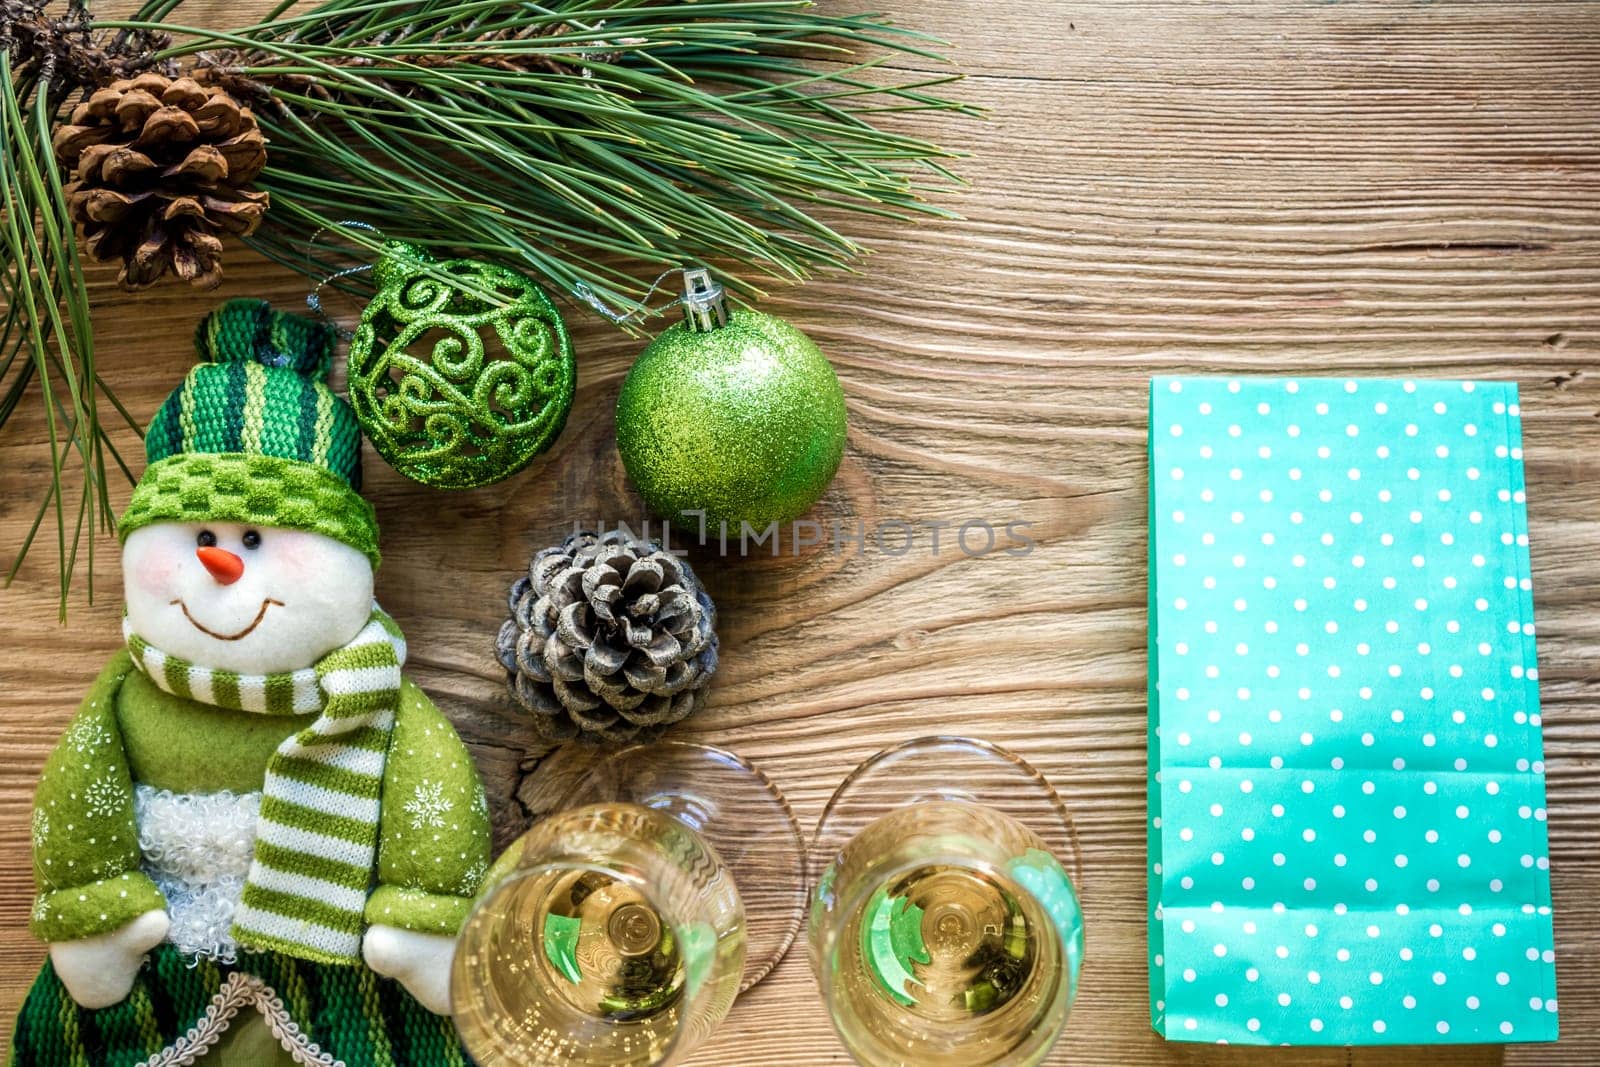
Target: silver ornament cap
[(705, 304)]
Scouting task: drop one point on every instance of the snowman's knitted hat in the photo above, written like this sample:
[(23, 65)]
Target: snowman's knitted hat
[(254, 434)]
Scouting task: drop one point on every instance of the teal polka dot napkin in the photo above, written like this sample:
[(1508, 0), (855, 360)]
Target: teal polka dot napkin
[(1347, 804)]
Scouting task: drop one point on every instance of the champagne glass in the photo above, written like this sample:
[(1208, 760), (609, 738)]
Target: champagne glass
[(945, 929), (614, 933)]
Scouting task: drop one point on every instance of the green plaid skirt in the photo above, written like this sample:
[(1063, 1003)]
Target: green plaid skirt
[(179, 1011)]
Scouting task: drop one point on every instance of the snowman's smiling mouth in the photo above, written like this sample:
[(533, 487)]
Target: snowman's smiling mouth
[(265, 604)]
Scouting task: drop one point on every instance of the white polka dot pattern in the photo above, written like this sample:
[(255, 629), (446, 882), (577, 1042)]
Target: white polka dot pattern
[(1347, 804)]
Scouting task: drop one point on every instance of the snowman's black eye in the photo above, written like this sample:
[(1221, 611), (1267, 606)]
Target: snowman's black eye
[(206, 539), (251, 539)]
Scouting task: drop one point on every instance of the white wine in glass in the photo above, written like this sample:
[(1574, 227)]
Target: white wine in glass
[(615, 933), (614, 937), (944, 931)]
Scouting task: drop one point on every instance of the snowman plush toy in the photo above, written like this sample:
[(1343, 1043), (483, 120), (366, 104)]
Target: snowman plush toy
[(256, 841)]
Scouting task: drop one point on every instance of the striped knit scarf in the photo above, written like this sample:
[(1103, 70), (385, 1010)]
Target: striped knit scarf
[(317, 837)]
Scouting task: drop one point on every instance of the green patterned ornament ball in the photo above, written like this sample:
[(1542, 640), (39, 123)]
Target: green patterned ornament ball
[(460, 371), (742, 419)]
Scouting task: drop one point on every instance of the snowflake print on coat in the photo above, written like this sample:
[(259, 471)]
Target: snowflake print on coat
[(428, 806), (472, 878), (40, 828), (86, 735), (105, 796)]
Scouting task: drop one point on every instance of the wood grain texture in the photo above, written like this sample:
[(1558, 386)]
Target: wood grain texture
[(1355, 188)]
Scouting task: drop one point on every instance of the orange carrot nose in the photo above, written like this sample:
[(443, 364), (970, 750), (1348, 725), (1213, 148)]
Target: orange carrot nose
[(224, 566)]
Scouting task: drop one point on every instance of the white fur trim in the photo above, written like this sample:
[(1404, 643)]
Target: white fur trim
[(197, 848)]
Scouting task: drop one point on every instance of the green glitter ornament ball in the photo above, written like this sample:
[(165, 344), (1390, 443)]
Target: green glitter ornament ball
[(460, 371), (744, 422)]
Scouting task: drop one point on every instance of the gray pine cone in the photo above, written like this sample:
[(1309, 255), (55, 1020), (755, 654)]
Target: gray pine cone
[(609, 639)]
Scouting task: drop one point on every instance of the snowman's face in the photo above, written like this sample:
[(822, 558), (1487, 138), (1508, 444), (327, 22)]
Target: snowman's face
[(251, 599)]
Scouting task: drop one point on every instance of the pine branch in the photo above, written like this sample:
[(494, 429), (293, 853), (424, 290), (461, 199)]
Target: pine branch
[(590, 143)]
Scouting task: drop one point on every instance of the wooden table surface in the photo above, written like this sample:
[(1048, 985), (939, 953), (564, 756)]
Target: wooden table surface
[(1162, 187)]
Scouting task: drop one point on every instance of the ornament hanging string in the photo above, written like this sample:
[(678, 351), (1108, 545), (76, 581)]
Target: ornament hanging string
[(314, 298), (579, 291), (638, 314)]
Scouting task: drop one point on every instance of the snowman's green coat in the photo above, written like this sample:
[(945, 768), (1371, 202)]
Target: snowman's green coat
[(173, 743), (433, 842)]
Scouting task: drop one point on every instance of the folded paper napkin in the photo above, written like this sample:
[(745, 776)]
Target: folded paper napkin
[(1347, 804)]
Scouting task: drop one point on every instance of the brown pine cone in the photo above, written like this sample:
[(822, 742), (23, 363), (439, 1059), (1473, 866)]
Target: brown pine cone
[(161, 169), (610, 639)]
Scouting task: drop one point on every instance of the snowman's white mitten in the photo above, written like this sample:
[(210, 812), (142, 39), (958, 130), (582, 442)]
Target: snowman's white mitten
[(98, 971), (420, 962)]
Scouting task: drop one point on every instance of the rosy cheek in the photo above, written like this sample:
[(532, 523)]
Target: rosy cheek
[(292, 559), (157, 573)]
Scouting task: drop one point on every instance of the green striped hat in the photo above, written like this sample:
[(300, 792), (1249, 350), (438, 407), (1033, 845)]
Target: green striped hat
[(254, 434)]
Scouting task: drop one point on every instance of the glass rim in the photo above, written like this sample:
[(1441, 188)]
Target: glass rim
[(763, 953), (820, 858)]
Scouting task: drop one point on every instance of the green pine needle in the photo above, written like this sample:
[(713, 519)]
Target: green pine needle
[(590, 143)]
